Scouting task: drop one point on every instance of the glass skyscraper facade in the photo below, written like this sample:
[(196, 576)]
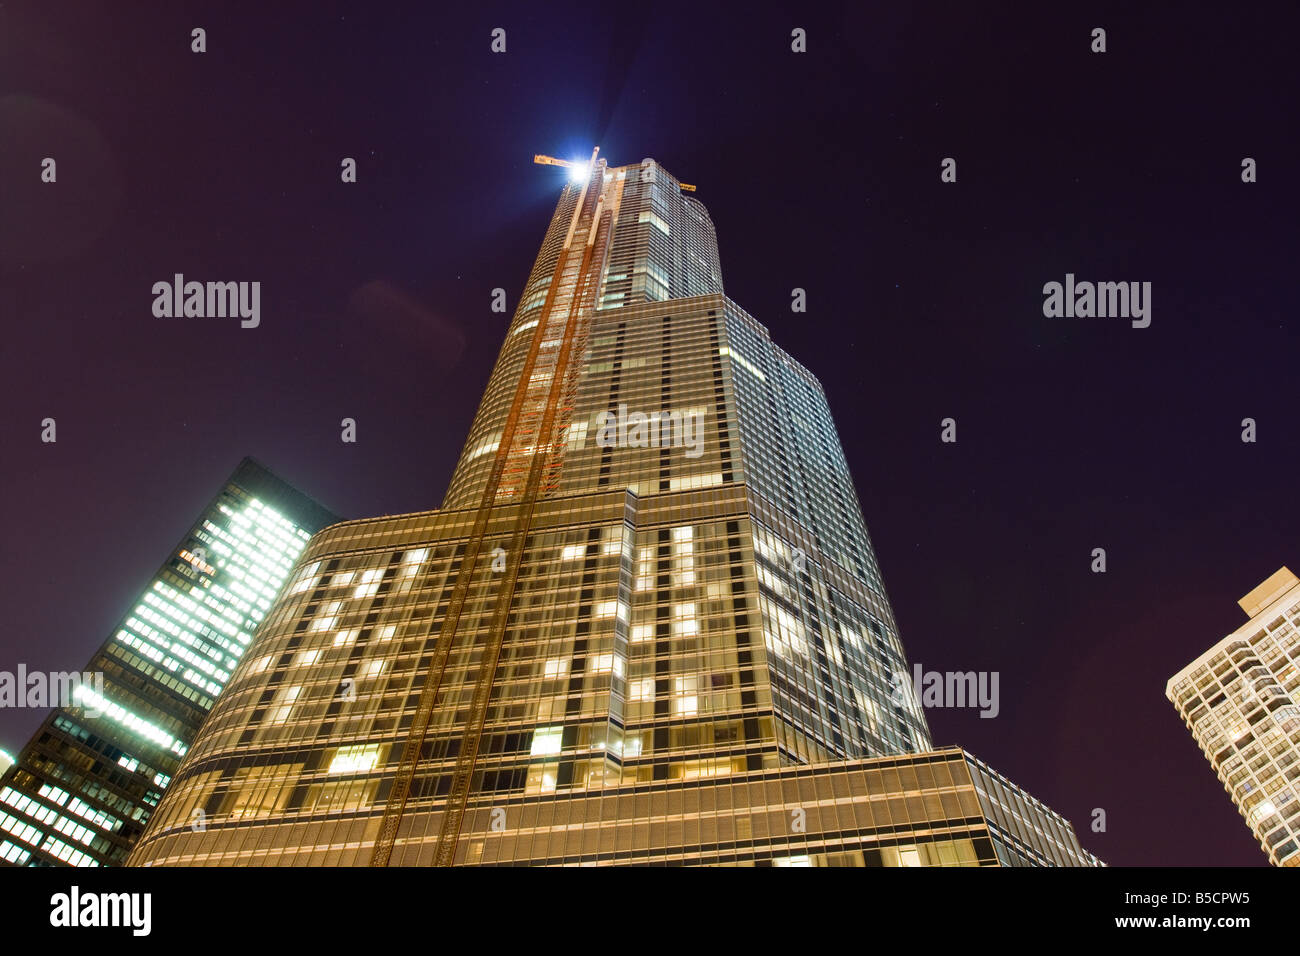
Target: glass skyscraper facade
[(1241, 701), (646, 624), (82, 791)]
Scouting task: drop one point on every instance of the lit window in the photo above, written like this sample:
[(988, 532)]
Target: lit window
[(327, 622), (684, 622), (648, 216), (369, 583), (688, 482), (645, 569), (577, 435), (684, 556), (1265, 809), (743, 362), (284, 704), (686, 704), (547, 740), (359, 759), (486, 447), (121, 715)]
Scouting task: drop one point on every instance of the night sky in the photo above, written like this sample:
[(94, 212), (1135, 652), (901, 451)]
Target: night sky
[(821, 171)]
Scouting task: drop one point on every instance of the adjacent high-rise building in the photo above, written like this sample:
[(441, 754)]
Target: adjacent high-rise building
[(1241, 701), (82, 791), (646, 625)]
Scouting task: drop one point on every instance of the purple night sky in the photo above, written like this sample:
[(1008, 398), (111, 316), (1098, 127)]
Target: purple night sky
[(820, 171)]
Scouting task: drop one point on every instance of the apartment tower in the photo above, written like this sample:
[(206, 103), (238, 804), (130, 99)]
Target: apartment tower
[(1241, 701)]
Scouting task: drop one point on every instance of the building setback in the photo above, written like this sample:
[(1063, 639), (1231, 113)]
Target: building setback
[(1241, 701), (85, 786), (646, 625)]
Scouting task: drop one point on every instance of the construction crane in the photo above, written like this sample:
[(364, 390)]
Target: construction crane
[(538, 418), (552, 161), (519, 476)]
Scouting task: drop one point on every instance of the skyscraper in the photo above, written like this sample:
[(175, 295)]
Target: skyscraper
[(646, 625), (84, 787), (1241, 701)]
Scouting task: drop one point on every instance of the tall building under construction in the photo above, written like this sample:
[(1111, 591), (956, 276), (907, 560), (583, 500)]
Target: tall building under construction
[(646, 625)]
